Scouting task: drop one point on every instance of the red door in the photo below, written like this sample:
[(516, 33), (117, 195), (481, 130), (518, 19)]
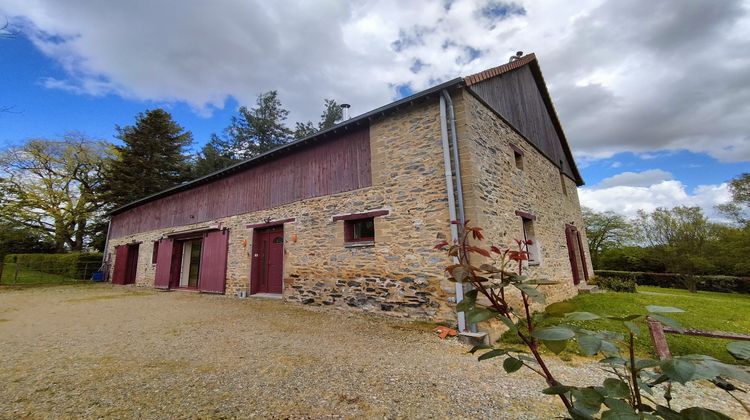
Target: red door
[(268, 260), (121, 265), (213, 271), (126, 264), (576, 254), (164, 264), (132, 264)]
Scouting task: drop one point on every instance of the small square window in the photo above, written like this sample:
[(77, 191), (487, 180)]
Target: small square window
[(533, 247), (359, 230), (519, 160), (517, 156), (155, 254)]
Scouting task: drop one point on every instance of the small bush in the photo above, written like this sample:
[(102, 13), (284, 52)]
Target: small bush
[(725, 284), (616, 284), (74, 265)]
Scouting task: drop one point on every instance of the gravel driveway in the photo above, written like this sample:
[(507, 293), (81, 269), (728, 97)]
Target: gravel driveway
[(99, 351)]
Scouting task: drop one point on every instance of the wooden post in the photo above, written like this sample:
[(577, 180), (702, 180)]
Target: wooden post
[(15, 275), (659, 340)]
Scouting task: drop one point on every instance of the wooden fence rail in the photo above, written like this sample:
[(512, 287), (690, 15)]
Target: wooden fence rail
[(657, 331)]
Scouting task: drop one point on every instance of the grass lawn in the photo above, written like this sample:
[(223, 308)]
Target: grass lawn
[(703, 311), (26, 276)]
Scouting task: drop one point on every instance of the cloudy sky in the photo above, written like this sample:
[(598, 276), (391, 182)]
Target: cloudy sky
[(654, 96)]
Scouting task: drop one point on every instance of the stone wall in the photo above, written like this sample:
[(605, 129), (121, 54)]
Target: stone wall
[(494, 189), (400, 274)]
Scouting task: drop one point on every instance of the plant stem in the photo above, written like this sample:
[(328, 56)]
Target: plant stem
[(634, 372)]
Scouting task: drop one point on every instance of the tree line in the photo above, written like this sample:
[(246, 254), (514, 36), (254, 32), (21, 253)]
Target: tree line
[(55, 193), (678, 240)]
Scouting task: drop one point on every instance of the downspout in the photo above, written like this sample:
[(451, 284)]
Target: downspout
[(106, 246), (451, 202), (459, 184)]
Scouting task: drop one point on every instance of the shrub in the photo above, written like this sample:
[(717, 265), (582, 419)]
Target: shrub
[(617, 284), (625, 394), (74, 265), (725, 284)]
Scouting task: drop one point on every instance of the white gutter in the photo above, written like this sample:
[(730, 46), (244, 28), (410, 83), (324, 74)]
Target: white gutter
[(451, 202), (457, 166), (105, 260)]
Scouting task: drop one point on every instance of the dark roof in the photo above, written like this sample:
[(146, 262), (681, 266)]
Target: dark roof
[(365, 119), (536, 71)]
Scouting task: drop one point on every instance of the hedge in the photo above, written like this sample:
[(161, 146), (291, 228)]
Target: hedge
[(74, 265), (615, 283), (725, 284)]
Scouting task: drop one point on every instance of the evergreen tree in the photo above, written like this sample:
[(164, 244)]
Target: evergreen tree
[(211, 158), (331, 114), (257, 130), (303, 130), (153, 158)]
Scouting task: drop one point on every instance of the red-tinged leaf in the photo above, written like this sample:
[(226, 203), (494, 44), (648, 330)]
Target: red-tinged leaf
[(441, 245), (480, 251), (518, 255), (495, 249), (476, 233), (529, 242)]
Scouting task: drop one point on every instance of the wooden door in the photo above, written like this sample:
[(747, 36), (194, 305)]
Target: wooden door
[(267, 269), (132, 262), (213, 267), (163, 264), (576, 254), (119, 273)]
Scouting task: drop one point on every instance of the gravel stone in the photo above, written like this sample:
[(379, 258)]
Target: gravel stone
[(120, 352)]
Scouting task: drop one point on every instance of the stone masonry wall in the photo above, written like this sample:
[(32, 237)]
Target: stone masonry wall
[(494, 189), (399, 274)]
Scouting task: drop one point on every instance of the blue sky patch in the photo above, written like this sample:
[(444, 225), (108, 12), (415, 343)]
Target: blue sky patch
[(501, 10)]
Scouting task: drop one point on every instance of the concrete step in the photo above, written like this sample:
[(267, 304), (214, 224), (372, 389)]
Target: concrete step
[(473, 339), (589, 288)]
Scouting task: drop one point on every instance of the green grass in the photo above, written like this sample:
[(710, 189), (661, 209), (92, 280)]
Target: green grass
[(709, 311), (27, 277)]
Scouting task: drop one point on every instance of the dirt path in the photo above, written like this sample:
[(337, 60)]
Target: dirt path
[(99, 351)]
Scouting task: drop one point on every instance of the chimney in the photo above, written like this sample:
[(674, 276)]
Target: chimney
[(345, 111), (518, 55)]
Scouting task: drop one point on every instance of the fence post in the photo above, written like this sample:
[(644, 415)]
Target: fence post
[(85, 271), (659, 340), (15, 275)]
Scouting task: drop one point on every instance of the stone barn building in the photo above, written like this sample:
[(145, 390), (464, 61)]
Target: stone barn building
[(349, 216)]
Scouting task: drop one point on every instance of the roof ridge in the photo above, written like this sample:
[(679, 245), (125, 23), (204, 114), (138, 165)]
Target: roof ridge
[(496, 71)]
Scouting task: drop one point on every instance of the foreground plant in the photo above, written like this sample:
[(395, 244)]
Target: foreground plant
[(629, 393)]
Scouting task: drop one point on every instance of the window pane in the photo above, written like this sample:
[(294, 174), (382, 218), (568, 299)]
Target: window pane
[(363, 229)]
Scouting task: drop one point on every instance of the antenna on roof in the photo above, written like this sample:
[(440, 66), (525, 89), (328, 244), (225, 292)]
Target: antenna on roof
[(345, 111), (518, 55)]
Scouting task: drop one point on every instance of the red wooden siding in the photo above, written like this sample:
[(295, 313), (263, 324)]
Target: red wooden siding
[(121, 265), (164, 264), (214, 261), (515, 95), (328, 167)]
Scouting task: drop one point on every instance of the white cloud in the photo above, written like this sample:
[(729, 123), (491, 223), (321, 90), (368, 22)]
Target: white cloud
[(636, 76), (627, 200), (636, 179)]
